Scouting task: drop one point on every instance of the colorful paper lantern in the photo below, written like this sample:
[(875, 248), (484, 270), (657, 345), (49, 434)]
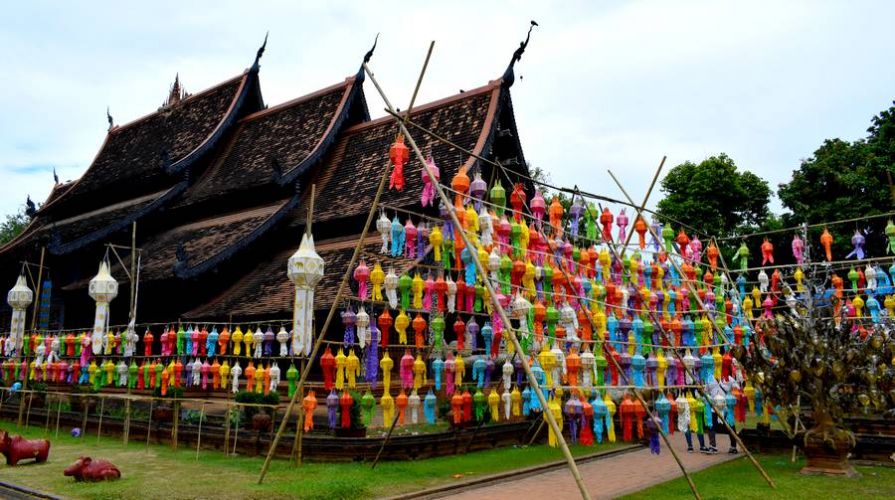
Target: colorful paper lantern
[(19, 298), (398, 153), (305, 269), (103, 288)]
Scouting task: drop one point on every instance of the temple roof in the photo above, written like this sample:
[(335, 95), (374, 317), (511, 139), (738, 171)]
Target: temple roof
[(146, 151), (276, 145), (201, 242), (346, 183), (356, 164), (266, 291), (136, 169)]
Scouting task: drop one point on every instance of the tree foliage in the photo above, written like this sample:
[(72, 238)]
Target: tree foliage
[(845, 180), (715, 196), (13, 225)]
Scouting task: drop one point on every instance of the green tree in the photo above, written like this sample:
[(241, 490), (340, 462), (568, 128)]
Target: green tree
[(715, 197), (13, 225), (845, 180)]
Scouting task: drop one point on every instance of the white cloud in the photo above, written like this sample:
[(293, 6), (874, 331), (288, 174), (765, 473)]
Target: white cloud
[(604, 85)]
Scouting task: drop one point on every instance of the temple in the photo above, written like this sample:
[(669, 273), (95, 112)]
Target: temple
[(218, 184)]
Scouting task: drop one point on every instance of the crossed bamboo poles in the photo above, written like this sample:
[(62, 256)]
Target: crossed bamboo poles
[(402, 123)]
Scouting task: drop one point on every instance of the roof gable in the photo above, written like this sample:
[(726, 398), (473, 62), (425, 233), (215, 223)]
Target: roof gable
[(141, 155), (356, 164), (273, 145)]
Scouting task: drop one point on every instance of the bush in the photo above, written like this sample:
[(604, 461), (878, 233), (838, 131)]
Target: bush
[(172, 393), (250, 397)]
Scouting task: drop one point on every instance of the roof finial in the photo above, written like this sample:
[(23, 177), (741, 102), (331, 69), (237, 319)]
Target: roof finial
[(260, 53), (361, 76), (55, 176), (109, 117), (30, 208), (508, 76), (369, 53), (176, 94)]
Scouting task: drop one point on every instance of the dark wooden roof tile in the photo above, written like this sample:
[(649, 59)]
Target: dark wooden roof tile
[(269, 143)]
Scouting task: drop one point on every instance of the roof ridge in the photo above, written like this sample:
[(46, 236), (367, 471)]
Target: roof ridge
[(118, 128), (283, 106), (108, 208), (491, 86), (245, 213), (184, 270)]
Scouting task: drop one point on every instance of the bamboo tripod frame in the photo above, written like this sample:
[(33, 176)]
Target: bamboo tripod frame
[(496, 304), (715, 327)]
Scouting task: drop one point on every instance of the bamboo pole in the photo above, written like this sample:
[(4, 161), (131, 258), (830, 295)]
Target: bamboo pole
[(175, 430), (299, 434), (228, 417), (619, 370), (639, 396), (419, 82), (28, 414), (790, 433), (133, 274), (127, 420), (199, 437), (299, 429), (47, 423), (58, 415), (537, 431), (642, 206), (40, 270), (99, 428), (487, 283), (37, 286), (332, 311), (677, 354), (149, 425), (236, 434), (385, 441), (84, 418)]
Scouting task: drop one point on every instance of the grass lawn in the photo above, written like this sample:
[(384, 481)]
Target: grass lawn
[(158, 472), (739, 479)]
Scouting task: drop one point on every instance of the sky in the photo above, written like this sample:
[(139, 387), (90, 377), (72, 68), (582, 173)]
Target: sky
[(603, 85)]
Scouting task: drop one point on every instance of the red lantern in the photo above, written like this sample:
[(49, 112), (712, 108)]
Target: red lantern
[(441, 288), (346, 401), (419, 327), (517, 199), (626, 411), (460, 333), (385, 323), (398, 154)]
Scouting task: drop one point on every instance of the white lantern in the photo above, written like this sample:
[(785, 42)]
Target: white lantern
[(494, 266), (391, 288), (282, 338), (19, 298), (362, 320), (383, 225), (587, 368), (521, 306), (131, 338), (103, 289), (305, 270)]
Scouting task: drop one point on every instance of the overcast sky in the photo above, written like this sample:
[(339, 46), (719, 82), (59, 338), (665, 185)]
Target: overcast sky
[(604, 85)]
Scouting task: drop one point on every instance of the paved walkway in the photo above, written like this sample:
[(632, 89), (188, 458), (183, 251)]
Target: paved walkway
[(607, 478)]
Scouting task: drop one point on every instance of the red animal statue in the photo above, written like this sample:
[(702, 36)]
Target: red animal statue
[(88, 469), (18, 448)]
